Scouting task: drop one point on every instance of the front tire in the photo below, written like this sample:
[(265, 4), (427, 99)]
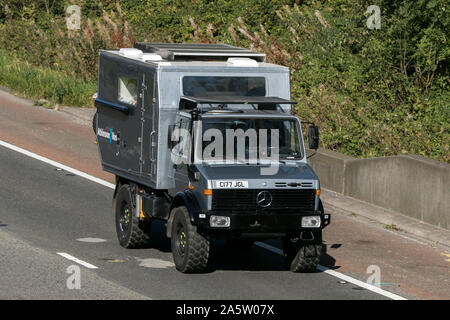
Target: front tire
[(190, 249), (132, 232), (301, 256)]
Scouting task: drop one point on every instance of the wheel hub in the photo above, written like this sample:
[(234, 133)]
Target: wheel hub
[(182, 241), (124, 221)]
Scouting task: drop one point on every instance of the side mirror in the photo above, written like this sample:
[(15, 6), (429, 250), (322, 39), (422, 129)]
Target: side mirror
[(313, 137), (172, 141)]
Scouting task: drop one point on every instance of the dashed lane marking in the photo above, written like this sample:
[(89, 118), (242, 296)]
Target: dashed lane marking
[(72, 258), (92, 240)]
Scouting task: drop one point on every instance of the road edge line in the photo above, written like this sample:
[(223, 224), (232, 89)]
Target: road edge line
[(339, 275), (57, 164)]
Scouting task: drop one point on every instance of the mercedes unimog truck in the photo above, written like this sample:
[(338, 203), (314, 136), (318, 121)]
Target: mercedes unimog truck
[(203, 137)]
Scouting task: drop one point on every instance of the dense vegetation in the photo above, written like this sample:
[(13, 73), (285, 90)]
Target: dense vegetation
[(373, 92)]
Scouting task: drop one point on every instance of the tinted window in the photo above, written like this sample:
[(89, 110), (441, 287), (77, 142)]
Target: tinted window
[(288, 135), (224, 86)]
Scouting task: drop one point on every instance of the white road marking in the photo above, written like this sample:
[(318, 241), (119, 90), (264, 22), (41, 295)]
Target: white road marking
[(155, 263), (57, 164), (359, 283), (93, 240), (339, 275), (260, 244), (72, 258)]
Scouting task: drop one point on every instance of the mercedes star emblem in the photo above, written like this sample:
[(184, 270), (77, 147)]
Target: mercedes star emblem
[(264, 199)]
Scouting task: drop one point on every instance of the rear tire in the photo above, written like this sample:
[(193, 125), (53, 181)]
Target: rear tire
[(190, 249), (301, 256), (132, 232)]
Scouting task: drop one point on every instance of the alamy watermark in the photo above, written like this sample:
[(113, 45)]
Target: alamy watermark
[(234, 145), (73, 20), (374, 20), (74, 280), (375, 275)]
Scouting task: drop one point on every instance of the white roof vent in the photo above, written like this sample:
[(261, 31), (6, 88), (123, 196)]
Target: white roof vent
[(242, 62), (131, 52), (151, 57)]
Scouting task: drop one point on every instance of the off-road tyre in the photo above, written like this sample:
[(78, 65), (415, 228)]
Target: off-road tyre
[(132, 232), (190, 249), (302, 256)]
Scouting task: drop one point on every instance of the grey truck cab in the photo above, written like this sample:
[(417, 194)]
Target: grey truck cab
[(204, 138)]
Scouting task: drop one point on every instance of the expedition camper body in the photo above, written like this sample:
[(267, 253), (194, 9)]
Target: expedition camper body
[(146, 94)]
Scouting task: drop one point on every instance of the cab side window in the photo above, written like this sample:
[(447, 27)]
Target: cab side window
[(183, 146)]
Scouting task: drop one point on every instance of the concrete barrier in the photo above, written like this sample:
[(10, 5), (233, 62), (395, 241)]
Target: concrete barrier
[(330, 167), (412, 185)]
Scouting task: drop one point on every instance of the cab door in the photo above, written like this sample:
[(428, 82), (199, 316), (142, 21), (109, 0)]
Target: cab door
[(181, 154)]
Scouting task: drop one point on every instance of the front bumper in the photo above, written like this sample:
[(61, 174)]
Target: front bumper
[(261, 223)]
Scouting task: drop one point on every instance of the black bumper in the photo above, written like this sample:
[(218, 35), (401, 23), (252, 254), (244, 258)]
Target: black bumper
[(259, 224)]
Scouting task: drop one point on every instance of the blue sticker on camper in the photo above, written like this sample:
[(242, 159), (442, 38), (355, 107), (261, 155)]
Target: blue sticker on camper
[(107, 133)]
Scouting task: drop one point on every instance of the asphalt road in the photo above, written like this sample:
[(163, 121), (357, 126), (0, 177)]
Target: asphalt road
[(45, 211)]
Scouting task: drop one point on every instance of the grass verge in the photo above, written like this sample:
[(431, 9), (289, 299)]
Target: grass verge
[(39, 82)]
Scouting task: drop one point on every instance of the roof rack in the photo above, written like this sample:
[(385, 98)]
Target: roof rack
[(236, 100), (198, 51), (263, 103)]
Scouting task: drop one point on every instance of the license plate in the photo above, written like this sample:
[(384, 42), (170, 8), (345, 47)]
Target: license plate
[(231, 184)]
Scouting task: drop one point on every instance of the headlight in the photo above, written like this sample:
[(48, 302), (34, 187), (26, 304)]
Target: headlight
[(219, 221), (311, 222)]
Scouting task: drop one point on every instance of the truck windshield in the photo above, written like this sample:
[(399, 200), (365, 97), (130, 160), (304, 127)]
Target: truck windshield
[(250, 139), (224, 86)]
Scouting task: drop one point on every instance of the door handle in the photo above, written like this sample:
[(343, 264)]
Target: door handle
[(152, 151)]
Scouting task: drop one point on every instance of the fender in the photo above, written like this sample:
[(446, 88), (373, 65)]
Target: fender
[(326, 217), (116, 189), (119, 182), (187, 200), (321, 206)]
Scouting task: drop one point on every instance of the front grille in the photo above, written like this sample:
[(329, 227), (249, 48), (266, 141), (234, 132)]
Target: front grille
[(283, 201)]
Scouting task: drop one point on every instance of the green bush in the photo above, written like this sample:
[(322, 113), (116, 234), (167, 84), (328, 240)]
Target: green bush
[(39, 82)]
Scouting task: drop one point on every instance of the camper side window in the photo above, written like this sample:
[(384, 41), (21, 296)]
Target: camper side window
[(128, 91)]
